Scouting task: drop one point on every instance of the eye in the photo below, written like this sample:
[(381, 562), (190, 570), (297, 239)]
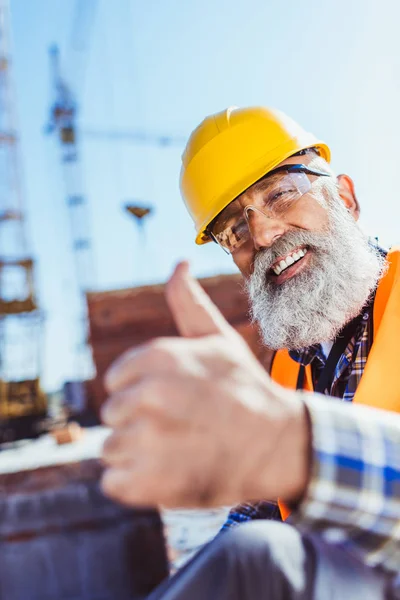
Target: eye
[(281, 195)]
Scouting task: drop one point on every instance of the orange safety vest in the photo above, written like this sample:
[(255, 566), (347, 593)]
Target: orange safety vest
[(379, 385)]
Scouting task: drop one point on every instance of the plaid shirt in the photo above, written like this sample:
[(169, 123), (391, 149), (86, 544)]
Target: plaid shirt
[(350, 366), (346, 378), (353, 498)]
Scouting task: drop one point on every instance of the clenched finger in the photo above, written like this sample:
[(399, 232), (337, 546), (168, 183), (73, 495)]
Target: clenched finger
[(123, 407), (121, 447), (158, 356)]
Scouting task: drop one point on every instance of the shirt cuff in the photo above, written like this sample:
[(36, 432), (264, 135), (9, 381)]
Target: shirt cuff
[(353, 495)]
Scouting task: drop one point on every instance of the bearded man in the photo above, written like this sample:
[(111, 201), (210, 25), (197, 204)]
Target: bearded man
[(198, 422)]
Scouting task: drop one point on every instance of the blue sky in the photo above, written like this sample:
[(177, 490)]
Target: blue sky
[(161, 66)]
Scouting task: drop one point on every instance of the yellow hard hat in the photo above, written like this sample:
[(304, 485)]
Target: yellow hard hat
[(231, 150)]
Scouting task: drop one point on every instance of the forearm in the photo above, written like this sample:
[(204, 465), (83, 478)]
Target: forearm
[(353, 495)]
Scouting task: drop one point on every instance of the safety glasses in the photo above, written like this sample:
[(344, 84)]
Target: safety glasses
[(280, 190)]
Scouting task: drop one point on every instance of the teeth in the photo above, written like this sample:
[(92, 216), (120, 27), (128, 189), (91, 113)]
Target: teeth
[(282, 265), (289, 260)]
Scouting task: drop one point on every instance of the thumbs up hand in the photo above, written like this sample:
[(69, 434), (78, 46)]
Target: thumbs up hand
[(196, 420)]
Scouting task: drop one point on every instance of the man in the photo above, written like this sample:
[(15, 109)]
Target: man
[(198, 422)]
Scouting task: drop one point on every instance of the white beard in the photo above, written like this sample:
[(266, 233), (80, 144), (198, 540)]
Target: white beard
[(313, 306)]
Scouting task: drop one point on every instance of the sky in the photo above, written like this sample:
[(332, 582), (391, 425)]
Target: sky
[(161, 66)]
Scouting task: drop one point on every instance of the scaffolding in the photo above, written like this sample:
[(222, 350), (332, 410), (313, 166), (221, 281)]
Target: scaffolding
[(20, 318)]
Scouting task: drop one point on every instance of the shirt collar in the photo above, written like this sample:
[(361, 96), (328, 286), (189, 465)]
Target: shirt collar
[(305, 356)]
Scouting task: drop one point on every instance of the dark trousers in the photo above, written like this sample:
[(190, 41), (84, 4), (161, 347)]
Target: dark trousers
[(272, 561)]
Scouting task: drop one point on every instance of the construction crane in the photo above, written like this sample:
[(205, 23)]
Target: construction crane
[(22, 402), (63, 121), (136, 137)]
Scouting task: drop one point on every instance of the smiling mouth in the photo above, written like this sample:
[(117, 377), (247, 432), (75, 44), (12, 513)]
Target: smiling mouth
[(284, 263)]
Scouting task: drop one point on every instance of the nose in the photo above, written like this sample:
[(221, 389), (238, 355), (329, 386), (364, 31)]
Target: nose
[(264, 230)]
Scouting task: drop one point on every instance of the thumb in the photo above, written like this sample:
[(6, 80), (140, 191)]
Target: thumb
[(194, 313)]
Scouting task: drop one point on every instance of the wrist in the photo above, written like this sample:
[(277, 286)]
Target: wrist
[(284, 460), (296, 445)]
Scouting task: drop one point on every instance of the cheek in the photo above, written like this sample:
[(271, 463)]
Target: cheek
[(244, 260), (310, 214)]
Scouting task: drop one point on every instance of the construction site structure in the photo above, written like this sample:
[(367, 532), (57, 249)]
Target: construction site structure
[(63, 122), (21, 397)]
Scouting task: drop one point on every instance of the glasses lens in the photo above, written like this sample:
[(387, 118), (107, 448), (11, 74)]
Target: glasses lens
[(275, 195), (281, 191), (233, 235)]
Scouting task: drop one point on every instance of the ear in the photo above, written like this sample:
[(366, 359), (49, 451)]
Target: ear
[(348, 195)]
